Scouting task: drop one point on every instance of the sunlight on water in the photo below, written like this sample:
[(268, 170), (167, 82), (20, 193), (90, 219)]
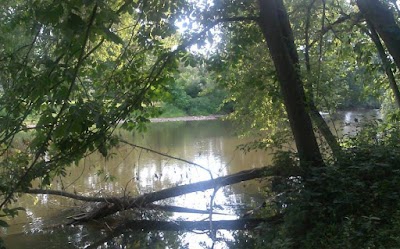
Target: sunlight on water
[(210, 144), (131, 171)]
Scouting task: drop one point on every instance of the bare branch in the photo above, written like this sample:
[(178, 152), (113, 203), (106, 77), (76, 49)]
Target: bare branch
[(355, 16), (168, 156)]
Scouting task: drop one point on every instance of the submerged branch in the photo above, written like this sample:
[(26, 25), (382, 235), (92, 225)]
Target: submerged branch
[(177, 209)]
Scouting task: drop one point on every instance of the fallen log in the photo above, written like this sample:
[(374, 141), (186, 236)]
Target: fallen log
[(176, 209), (114, 204), (202, 186), (165, 193)]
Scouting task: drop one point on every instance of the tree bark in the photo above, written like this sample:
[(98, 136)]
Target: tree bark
[(385, 62), (383, 21), (275, 26)]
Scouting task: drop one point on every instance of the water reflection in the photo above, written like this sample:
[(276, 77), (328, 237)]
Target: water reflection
[(351, 122), (211, 144), (132, 171)]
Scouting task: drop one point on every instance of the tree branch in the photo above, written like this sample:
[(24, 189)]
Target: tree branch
[(203, 185), (112, 205), (355, 16), (166, 193), (43, 146), (168, 156)]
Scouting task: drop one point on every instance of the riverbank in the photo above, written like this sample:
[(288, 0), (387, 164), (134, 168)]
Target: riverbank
[(175, 119), (186, 118)]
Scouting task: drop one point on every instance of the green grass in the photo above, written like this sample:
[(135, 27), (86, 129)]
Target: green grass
[(171, 111)]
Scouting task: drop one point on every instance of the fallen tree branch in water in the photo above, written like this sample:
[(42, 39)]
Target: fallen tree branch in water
[(111, 205), (176, 209), (203, 185), (147, 225)]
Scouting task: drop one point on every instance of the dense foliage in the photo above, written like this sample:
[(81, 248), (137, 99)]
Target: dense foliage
[(351, 203), (194, 92), (76, 71)]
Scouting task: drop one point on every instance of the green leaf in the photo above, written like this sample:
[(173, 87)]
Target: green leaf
[(88, 2), (3, 224), (75, 22), (112, 36)]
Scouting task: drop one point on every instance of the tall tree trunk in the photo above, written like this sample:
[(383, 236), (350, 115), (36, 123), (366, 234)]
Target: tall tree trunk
[(275, 26), (383, 21), (385, 62)]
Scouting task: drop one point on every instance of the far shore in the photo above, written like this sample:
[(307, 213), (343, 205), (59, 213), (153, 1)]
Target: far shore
[(186, 118), (176, 119), (212, 117)]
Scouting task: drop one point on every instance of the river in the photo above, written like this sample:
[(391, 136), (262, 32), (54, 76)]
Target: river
[(132, 171)]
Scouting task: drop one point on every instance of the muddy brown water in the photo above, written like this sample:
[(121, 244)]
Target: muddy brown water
[(210, 143)]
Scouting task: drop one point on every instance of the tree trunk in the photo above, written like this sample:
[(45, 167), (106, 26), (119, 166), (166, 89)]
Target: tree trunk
[(275, 26), (385, 62), (383, 21)]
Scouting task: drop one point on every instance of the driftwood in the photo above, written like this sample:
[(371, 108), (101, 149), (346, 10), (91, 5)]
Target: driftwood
[(111, 205)]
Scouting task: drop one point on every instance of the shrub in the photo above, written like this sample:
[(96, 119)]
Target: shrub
[(352, 202)]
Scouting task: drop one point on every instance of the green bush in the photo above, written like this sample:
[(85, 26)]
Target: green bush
[(193, 89), (201, 106), (170, 111), (352, 202)]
